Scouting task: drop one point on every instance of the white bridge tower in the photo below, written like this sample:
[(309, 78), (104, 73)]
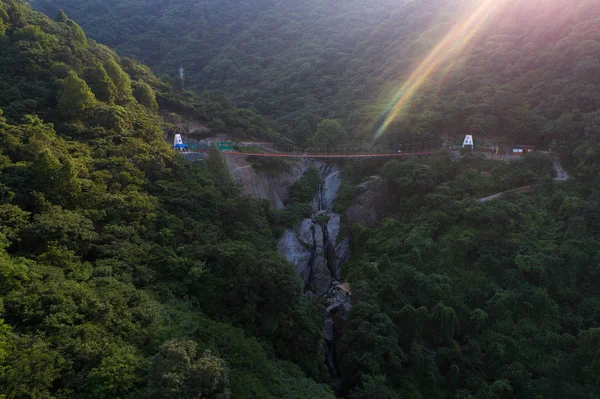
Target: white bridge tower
[(468, 141), (178, 141)]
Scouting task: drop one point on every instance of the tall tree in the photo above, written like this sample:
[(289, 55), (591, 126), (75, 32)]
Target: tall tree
[(102, 85), (121, 80), (144, 94), (75, 97)]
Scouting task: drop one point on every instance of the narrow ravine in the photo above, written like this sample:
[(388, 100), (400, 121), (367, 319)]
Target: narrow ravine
[(330, 338), (313, 247)]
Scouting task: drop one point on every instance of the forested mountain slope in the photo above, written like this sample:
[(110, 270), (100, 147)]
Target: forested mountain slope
[(163, 33), (460, 299), (529, 75), (126, 271)]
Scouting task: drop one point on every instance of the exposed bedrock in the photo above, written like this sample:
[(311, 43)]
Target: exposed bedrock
[(369, 205), (274, 189)]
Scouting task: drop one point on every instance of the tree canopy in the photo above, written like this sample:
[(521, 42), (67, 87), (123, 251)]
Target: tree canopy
[(532, 66), (125, 270), (130, 272)]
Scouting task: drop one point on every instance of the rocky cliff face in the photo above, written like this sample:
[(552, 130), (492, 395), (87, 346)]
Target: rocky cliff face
[(260, 185), (316, 239), (313, 247), (369, 206)]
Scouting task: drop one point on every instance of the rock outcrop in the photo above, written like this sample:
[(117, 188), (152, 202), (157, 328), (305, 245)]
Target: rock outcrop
[(260, 185), (370, 203), (340, 255), (331, 186), (305, 233), (304, 246), (321, 280), (296, 253), (313, 247)]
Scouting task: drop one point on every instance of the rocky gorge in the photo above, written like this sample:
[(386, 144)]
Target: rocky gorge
[(316, 245), (318, 251)]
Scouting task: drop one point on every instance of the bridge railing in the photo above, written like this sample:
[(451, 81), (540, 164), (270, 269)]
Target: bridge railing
[(367, 149), (395, 148)]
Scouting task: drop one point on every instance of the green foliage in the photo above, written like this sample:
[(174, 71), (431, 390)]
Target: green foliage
[(482, 296), (75, 97), (330, 134), (216, 164), (302, 132), (344, 198), (177, 372), (269, 166), (121, 263), (305, 188), (311, 60), (61, 17), (375, 388), (144, 95), (121, 81), (299, 202), (102, 85), (117, 255)]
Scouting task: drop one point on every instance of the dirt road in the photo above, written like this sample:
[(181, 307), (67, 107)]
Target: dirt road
[(561, 175)]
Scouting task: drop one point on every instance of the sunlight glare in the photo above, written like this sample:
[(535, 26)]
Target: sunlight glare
[(443, 54)]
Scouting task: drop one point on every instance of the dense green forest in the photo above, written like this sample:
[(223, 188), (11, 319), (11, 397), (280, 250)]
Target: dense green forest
[(462, 299), (529, 76), (129, 272)]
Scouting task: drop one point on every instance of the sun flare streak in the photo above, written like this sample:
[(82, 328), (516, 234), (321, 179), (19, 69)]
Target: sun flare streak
[(441, 55)]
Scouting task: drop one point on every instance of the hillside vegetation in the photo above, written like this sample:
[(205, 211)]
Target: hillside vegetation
[(128, 272), (529, 76), (454, 298), (125, 270)]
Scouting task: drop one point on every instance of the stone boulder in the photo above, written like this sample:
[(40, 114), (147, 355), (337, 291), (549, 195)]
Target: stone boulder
[(333, 227), (319, 242), (369, 206), (340, 305), (340, 255), (304, 233), (315, 203), (296, 253), (320, 281), (329, 330), (275, 189), (331, 186)]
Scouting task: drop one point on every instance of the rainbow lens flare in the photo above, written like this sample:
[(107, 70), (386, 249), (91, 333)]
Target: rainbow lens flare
[(442, 55)]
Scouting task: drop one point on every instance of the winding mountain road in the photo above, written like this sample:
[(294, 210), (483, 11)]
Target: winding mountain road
[(561, 176)]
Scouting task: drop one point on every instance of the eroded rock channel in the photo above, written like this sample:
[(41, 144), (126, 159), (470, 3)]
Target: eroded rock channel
[(315, 247)]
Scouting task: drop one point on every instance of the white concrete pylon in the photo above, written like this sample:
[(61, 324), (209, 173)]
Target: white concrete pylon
[(468, 141), (178, 140)]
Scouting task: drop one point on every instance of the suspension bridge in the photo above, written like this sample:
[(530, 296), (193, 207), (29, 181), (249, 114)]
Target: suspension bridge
[(255, 149), (319, 155)]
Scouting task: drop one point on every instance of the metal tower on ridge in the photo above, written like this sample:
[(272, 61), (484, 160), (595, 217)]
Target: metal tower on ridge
[(181, 74)]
